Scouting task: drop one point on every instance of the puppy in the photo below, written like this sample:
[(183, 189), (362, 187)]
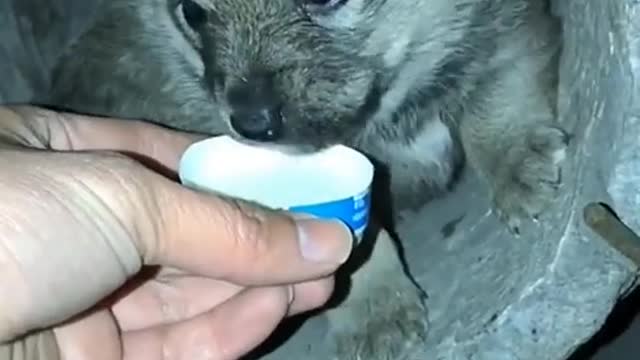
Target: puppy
[(421, 86)]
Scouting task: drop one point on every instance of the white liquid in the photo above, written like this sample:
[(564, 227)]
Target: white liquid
[(272, 178)]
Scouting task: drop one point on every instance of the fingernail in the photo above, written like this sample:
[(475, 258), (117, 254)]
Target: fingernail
[(290, 294), (324, 240)]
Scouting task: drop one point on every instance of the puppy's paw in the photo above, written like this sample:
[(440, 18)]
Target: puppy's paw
[(530, 177), (387, 325)]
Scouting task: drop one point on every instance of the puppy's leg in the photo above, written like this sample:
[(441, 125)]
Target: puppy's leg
[(513, 140), (384, 314)]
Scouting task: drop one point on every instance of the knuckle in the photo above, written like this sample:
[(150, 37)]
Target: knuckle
[(274, 300), (247, 226)]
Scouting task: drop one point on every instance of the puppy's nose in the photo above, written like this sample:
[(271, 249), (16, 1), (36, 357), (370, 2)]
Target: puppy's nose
[(255, 109), (262, 125)]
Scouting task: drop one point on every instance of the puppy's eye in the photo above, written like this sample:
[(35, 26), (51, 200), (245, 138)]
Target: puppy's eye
[(193, 13)]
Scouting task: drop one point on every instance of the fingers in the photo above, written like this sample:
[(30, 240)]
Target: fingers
[(246, 245), (156, 303), (225, 333), (41, 128), (228, 331), (95, 337), (311, 295), (145, 140), (191, 231)]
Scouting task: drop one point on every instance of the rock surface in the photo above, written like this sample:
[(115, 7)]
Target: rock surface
[(492, 297)]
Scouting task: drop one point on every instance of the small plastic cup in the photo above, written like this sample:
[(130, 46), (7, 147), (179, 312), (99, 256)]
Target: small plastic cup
[(334, 183)]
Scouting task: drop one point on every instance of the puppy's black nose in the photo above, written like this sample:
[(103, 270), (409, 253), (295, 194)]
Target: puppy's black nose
[(255, 109), (260, 125)]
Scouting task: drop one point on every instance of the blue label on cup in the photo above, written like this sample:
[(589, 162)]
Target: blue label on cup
[(353, 211)]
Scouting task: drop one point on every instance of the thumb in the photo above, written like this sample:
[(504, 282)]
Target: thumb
[(240, 242)]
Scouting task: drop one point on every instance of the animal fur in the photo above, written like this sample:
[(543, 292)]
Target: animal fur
[(422, 86)]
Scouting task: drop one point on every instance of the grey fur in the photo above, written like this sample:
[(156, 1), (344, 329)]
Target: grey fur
[(420, 85)]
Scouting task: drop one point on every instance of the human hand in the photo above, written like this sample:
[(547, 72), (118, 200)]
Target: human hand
[(78, 223)]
